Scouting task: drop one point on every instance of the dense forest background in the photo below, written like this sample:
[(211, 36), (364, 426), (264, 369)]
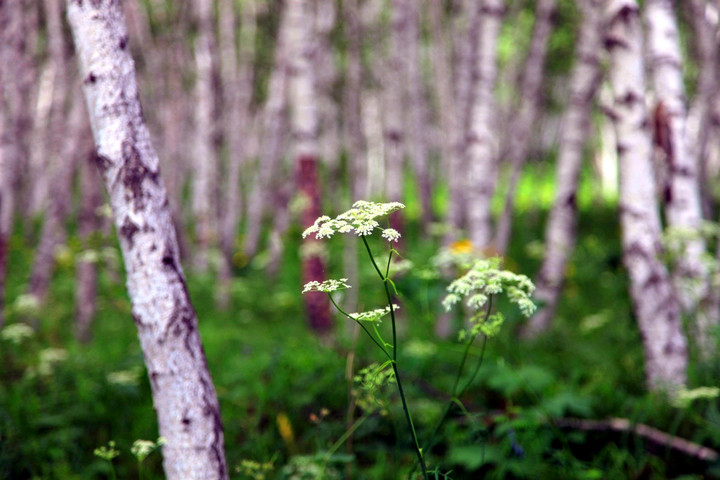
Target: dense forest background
[(579, 141)]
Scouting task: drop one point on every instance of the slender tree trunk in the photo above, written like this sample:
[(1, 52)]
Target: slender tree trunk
[(237, 91), (62, 169), (683, 207), (274, 123), (560, 232), (183, 392), (15, 121), (700, 118), (205, 160), (394, 78), (352, 115), (86, 272), (304, 126), (417, 112), (520, 137), (466, 77), (656, 306), (482, 171)]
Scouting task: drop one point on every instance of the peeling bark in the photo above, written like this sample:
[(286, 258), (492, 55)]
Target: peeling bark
[(683, 209), (183, 392), (656, 307)]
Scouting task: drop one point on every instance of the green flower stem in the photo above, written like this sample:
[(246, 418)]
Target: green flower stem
[(408, 417), (456, 394), (363, 327)]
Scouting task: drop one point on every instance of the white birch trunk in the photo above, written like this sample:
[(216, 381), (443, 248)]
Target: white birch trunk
[(205, 161), (393, 105), (683, 207), (655, 304), (560, 231), (417, 112), (183, 392), (274, 122), (465, 77), (304, 127), (521, 128), (482, 172)]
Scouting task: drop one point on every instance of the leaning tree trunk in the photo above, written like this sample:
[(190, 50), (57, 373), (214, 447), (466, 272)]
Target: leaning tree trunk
[(521, 134), (482, 156), (183, 392), (683, 206), (304, 126), (560, 231), (656, 306)]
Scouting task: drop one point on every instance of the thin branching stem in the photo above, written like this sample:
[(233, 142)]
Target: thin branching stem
[(406, 409)]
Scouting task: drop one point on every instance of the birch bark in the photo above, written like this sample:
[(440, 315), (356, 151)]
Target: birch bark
[(394, 78), (304, 126), (520, 136), (482, 149), (655, 304), (683, 205), (417, 111), (273, 123), (89, 224), (560, 231), (183, 392), (205, 160), (465, 77)]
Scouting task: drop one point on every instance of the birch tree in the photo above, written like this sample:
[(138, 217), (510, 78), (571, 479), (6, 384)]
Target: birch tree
[(274, 122), (183, 393), (482, 149), (682, 196), (560, 231), (205, 179), (304, 126), (520, 136), (655, 304)]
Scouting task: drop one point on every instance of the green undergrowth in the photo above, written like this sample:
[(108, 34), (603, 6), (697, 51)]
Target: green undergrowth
[(284, 393)]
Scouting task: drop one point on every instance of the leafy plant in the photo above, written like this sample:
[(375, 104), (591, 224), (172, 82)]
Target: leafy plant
[(480, 283)]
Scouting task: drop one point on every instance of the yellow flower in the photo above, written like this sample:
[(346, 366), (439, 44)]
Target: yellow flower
[(285, 429), (461, 246)]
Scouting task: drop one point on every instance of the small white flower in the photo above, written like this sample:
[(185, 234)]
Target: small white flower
[(327, 286), (361, 220), (373, 315), (391, 235)]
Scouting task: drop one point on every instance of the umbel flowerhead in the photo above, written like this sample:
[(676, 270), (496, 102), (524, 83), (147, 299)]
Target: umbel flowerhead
[(361, 220)]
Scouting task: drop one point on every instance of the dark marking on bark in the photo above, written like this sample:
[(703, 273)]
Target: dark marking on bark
[(123, 42), (630, 98), (154, 380), (668, 193), (571, 201), (102, 162), (212, 409), (128, 230), (134, 172), (153, 247), (91, 78), (611, 41)]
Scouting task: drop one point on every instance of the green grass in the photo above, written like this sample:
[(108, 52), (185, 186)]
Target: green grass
[(266, 365)]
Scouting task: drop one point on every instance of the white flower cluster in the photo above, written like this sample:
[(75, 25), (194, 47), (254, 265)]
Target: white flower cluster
[(373, 315), (485, 279), (327, 286), (361, 219)]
